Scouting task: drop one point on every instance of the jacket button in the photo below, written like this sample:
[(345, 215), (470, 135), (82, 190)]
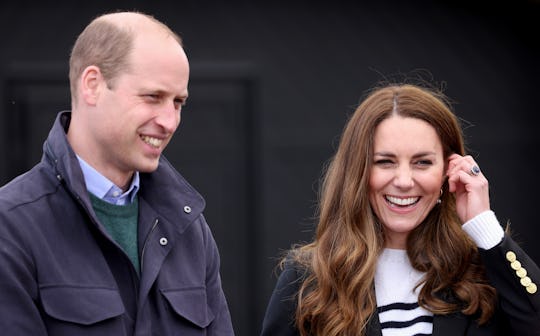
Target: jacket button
[(521, 272), (510, 256), (163, 241), (531, 288), (515, 265), (187, 209), (526, 281)]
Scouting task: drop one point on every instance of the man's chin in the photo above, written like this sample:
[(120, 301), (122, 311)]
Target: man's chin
[(149, 167)]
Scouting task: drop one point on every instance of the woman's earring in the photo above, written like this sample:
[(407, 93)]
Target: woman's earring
[(439, 201)]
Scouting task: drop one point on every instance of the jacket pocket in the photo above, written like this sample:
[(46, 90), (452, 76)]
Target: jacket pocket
[(191, 304), (81, 305)]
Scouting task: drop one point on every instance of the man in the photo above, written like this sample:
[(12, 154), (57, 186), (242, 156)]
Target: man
[(103, 236)]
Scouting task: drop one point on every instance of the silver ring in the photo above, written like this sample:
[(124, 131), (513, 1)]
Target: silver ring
[(475, 170)]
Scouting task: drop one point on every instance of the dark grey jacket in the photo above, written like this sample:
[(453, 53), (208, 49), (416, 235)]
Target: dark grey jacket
[(62, 275), (518, 311)]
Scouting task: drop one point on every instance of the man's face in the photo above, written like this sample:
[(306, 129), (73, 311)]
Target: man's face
[(136, 118)]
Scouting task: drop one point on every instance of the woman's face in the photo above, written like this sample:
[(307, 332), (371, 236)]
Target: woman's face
[(406, 176)]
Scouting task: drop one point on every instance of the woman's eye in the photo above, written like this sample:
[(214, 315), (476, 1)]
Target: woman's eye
[(424, 163)]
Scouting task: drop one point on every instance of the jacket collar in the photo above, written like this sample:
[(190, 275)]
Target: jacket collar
[(58, 153), (165, 190), (170, 195)]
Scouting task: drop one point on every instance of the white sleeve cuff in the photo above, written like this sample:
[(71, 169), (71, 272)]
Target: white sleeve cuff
[(484, 230)]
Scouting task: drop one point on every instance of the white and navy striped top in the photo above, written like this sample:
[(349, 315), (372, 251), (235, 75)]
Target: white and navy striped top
[(397, 301), (395, 279)]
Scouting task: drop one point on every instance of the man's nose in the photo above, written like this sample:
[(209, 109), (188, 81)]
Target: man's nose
[(169, 117)]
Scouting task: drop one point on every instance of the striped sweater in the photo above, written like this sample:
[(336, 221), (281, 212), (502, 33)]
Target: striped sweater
[(395, 280), (397, 301)]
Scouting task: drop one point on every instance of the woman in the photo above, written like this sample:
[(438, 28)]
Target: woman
[(406, 242)]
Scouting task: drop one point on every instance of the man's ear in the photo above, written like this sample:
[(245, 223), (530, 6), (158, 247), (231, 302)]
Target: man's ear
[(91, 84)]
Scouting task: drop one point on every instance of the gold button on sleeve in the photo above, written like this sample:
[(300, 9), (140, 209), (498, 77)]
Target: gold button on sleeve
[(515, 265), (526, 281), (510, 256), (532, 288), (521, 272)]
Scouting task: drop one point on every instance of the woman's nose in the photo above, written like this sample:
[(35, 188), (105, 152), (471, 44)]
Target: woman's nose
[(404, 178)]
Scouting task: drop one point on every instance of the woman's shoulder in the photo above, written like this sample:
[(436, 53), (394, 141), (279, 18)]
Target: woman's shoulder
[(293, 269)]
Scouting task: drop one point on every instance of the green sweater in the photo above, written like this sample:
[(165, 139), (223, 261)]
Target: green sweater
[(120, 221)]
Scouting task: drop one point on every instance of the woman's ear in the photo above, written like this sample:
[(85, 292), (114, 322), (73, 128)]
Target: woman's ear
[(446, 166), (91, 82)]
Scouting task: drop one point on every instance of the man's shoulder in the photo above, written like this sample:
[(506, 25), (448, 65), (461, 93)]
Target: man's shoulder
[(27, 188)]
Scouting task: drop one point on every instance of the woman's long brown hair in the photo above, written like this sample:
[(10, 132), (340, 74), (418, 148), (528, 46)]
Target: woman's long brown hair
[(338, 297)]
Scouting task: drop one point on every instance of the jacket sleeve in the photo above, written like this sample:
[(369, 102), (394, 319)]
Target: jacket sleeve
[(221, 325), (19, 314), (280, 312), (516, 277)]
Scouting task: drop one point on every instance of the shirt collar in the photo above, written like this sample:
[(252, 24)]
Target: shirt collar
[(106, 190)]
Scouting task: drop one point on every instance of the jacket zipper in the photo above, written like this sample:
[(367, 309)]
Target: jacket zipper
[(146, 242)]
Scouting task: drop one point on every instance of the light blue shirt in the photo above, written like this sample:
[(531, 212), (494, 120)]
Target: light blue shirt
[(106, 190)]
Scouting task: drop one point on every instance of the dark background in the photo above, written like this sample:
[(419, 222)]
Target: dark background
[(272, 85)]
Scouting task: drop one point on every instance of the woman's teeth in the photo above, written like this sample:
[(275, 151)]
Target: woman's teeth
[(402, 201)]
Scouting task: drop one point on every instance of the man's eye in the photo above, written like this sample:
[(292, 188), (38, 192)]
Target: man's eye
[(152, 96)]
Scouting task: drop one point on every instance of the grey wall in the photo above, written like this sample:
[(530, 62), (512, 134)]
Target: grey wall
[(272, 85)]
